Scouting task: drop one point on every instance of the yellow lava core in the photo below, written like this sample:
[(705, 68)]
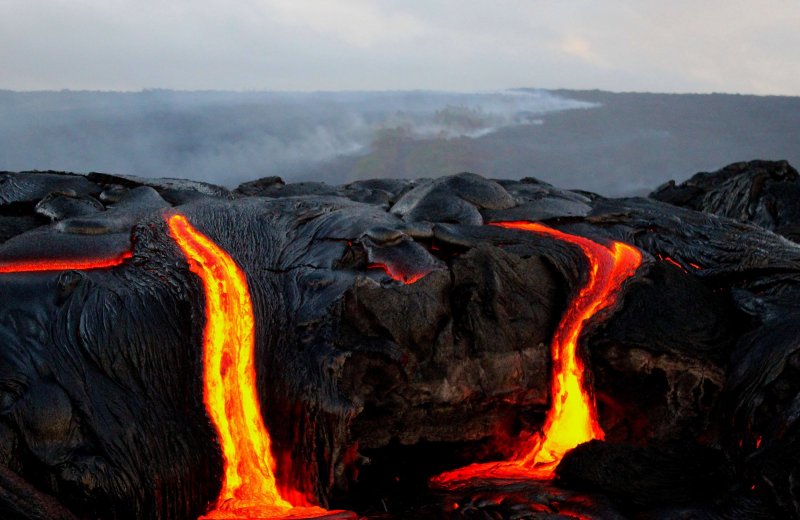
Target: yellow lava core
[(249, 489), (572, 417)]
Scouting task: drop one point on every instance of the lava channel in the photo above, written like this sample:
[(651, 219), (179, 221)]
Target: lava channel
[(60, 264), (249, 489), (572, 417)]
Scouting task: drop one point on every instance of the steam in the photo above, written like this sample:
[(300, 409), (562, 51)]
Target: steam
[(227, 138)]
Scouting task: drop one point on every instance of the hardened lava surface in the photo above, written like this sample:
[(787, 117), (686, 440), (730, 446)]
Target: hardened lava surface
[(397, 335)]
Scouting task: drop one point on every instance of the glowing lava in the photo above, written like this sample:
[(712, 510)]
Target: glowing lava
[(76, 264), (394, 274), (572, 418), (249, 489)]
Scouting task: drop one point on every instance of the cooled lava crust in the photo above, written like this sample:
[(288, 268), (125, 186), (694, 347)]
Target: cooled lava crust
[(397, 335)]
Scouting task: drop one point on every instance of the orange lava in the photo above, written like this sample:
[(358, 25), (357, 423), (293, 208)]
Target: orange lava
[(572, 418), (249, 489), (673, 262), (77, 264), (397, 275)]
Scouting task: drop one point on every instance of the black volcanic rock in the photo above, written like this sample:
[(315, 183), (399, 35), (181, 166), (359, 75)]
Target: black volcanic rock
[(762, 192), (456, 199), (666, 474), (34, 186), (59, 206), (397, 336)]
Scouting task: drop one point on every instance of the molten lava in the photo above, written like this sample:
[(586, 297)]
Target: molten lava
[(77, 264), (572, 418), (249, 489), (395, 274)]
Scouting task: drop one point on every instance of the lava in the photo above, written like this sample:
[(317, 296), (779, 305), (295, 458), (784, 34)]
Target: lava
[(249, 489), (673, 262), (572, 417), (394, 274), (76, 264)]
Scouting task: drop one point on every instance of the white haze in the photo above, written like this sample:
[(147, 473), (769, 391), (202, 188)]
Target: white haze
[(227, 138)]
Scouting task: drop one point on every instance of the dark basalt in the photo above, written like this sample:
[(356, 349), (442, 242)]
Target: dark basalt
[(664, 474), (368, 385), (762, 192)]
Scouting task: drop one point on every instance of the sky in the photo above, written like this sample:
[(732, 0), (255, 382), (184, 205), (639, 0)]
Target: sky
[(455, 45)]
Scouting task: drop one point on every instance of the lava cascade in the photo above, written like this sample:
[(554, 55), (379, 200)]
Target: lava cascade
[(572, 417), (249, 489)]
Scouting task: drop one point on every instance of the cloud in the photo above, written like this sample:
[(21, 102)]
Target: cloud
[(580, 48), (358, 23), (730, 45)]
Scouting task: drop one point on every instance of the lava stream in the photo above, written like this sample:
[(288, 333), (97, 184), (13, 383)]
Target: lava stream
[(76, 264), (249, 489), (572, 417)]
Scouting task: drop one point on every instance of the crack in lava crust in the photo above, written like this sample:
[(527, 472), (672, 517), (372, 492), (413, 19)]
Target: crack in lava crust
[(572, 417), (249, 489)]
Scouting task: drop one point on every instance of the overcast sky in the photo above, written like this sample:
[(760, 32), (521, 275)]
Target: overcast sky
[(462, 45)]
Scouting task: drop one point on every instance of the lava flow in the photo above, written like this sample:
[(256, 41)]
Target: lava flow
[(249, 489), (572, 418), (76, 264)]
